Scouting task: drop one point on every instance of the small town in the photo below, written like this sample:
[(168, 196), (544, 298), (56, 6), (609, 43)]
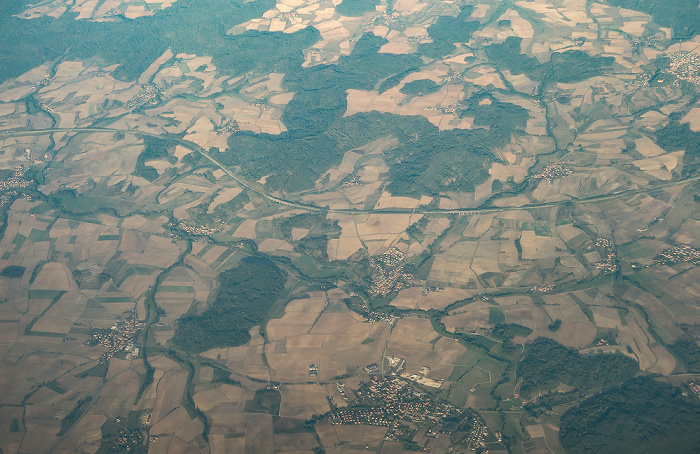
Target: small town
[(387, 273), (119, 337), (387, 401)]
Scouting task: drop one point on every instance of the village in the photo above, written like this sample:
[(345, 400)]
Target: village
[(149, 94), (17, 180), (678, 254), (685, 66), (387, 273), (553, 171), (388, 402), (119, 337), (609, 265), (199, 231)]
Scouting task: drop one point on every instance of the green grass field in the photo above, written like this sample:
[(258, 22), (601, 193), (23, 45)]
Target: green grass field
[(176, 289)]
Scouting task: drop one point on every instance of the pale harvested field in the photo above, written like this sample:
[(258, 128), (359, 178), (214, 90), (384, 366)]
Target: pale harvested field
[(305, 341), (489, 79), (637, 337), (660, 166), (535, 431), (334, 354), (606, 317), (272, 245), (223, 196), (386, 224), (118, 395), (663, 318), (478, 225), (246, 229), (429, 106), (453, 267), (688, 233), (559, 299), (470, 317), (53, 276), (360, 434), (329, 323), (297, 443), (137, 284), (536, 247), (86, 435), (173, 422), (327, 433), (358, 194), (413, 298), (576, 330), (648, 147), (343, 169), (568, 233), (411, 339), (298, 318), (693, 119), (527, 315), (169, 394), (389, 201), (303, 401), (299, 233), (207, 400), (258, 434), (212, 254)]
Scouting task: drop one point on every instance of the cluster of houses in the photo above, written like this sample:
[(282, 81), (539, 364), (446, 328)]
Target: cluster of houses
[(685, 65), (678, 254), (120, 337), (387, 401), (200, 230), (553, 171), (387, 273), (148, 94), (609, 265)]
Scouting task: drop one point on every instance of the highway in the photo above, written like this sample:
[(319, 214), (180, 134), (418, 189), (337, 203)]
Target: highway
[(294, 204)]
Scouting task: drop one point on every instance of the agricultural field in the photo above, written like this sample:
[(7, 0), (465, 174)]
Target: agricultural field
[(245, 227)]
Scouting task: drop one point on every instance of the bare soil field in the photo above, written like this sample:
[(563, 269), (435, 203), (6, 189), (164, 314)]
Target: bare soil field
[(303, 401)]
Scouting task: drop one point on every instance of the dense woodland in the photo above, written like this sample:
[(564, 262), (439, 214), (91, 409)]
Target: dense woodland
[(678, 136), (245, 296), (683, 16), (567, 67), (547, 363), (688, 352), (420, 87), (355, 8), (155, 149), (427, 161), (642, 416)]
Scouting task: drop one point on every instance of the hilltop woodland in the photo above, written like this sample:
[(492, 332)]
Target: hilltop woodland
[(245, 296), (641, 416), (547, 363), (317, 133), (683, 16), (688, 352)]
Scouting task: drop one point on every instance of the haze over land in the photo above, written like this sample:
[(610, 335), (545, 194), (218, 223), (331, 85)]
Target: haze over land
[(339, 226)]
